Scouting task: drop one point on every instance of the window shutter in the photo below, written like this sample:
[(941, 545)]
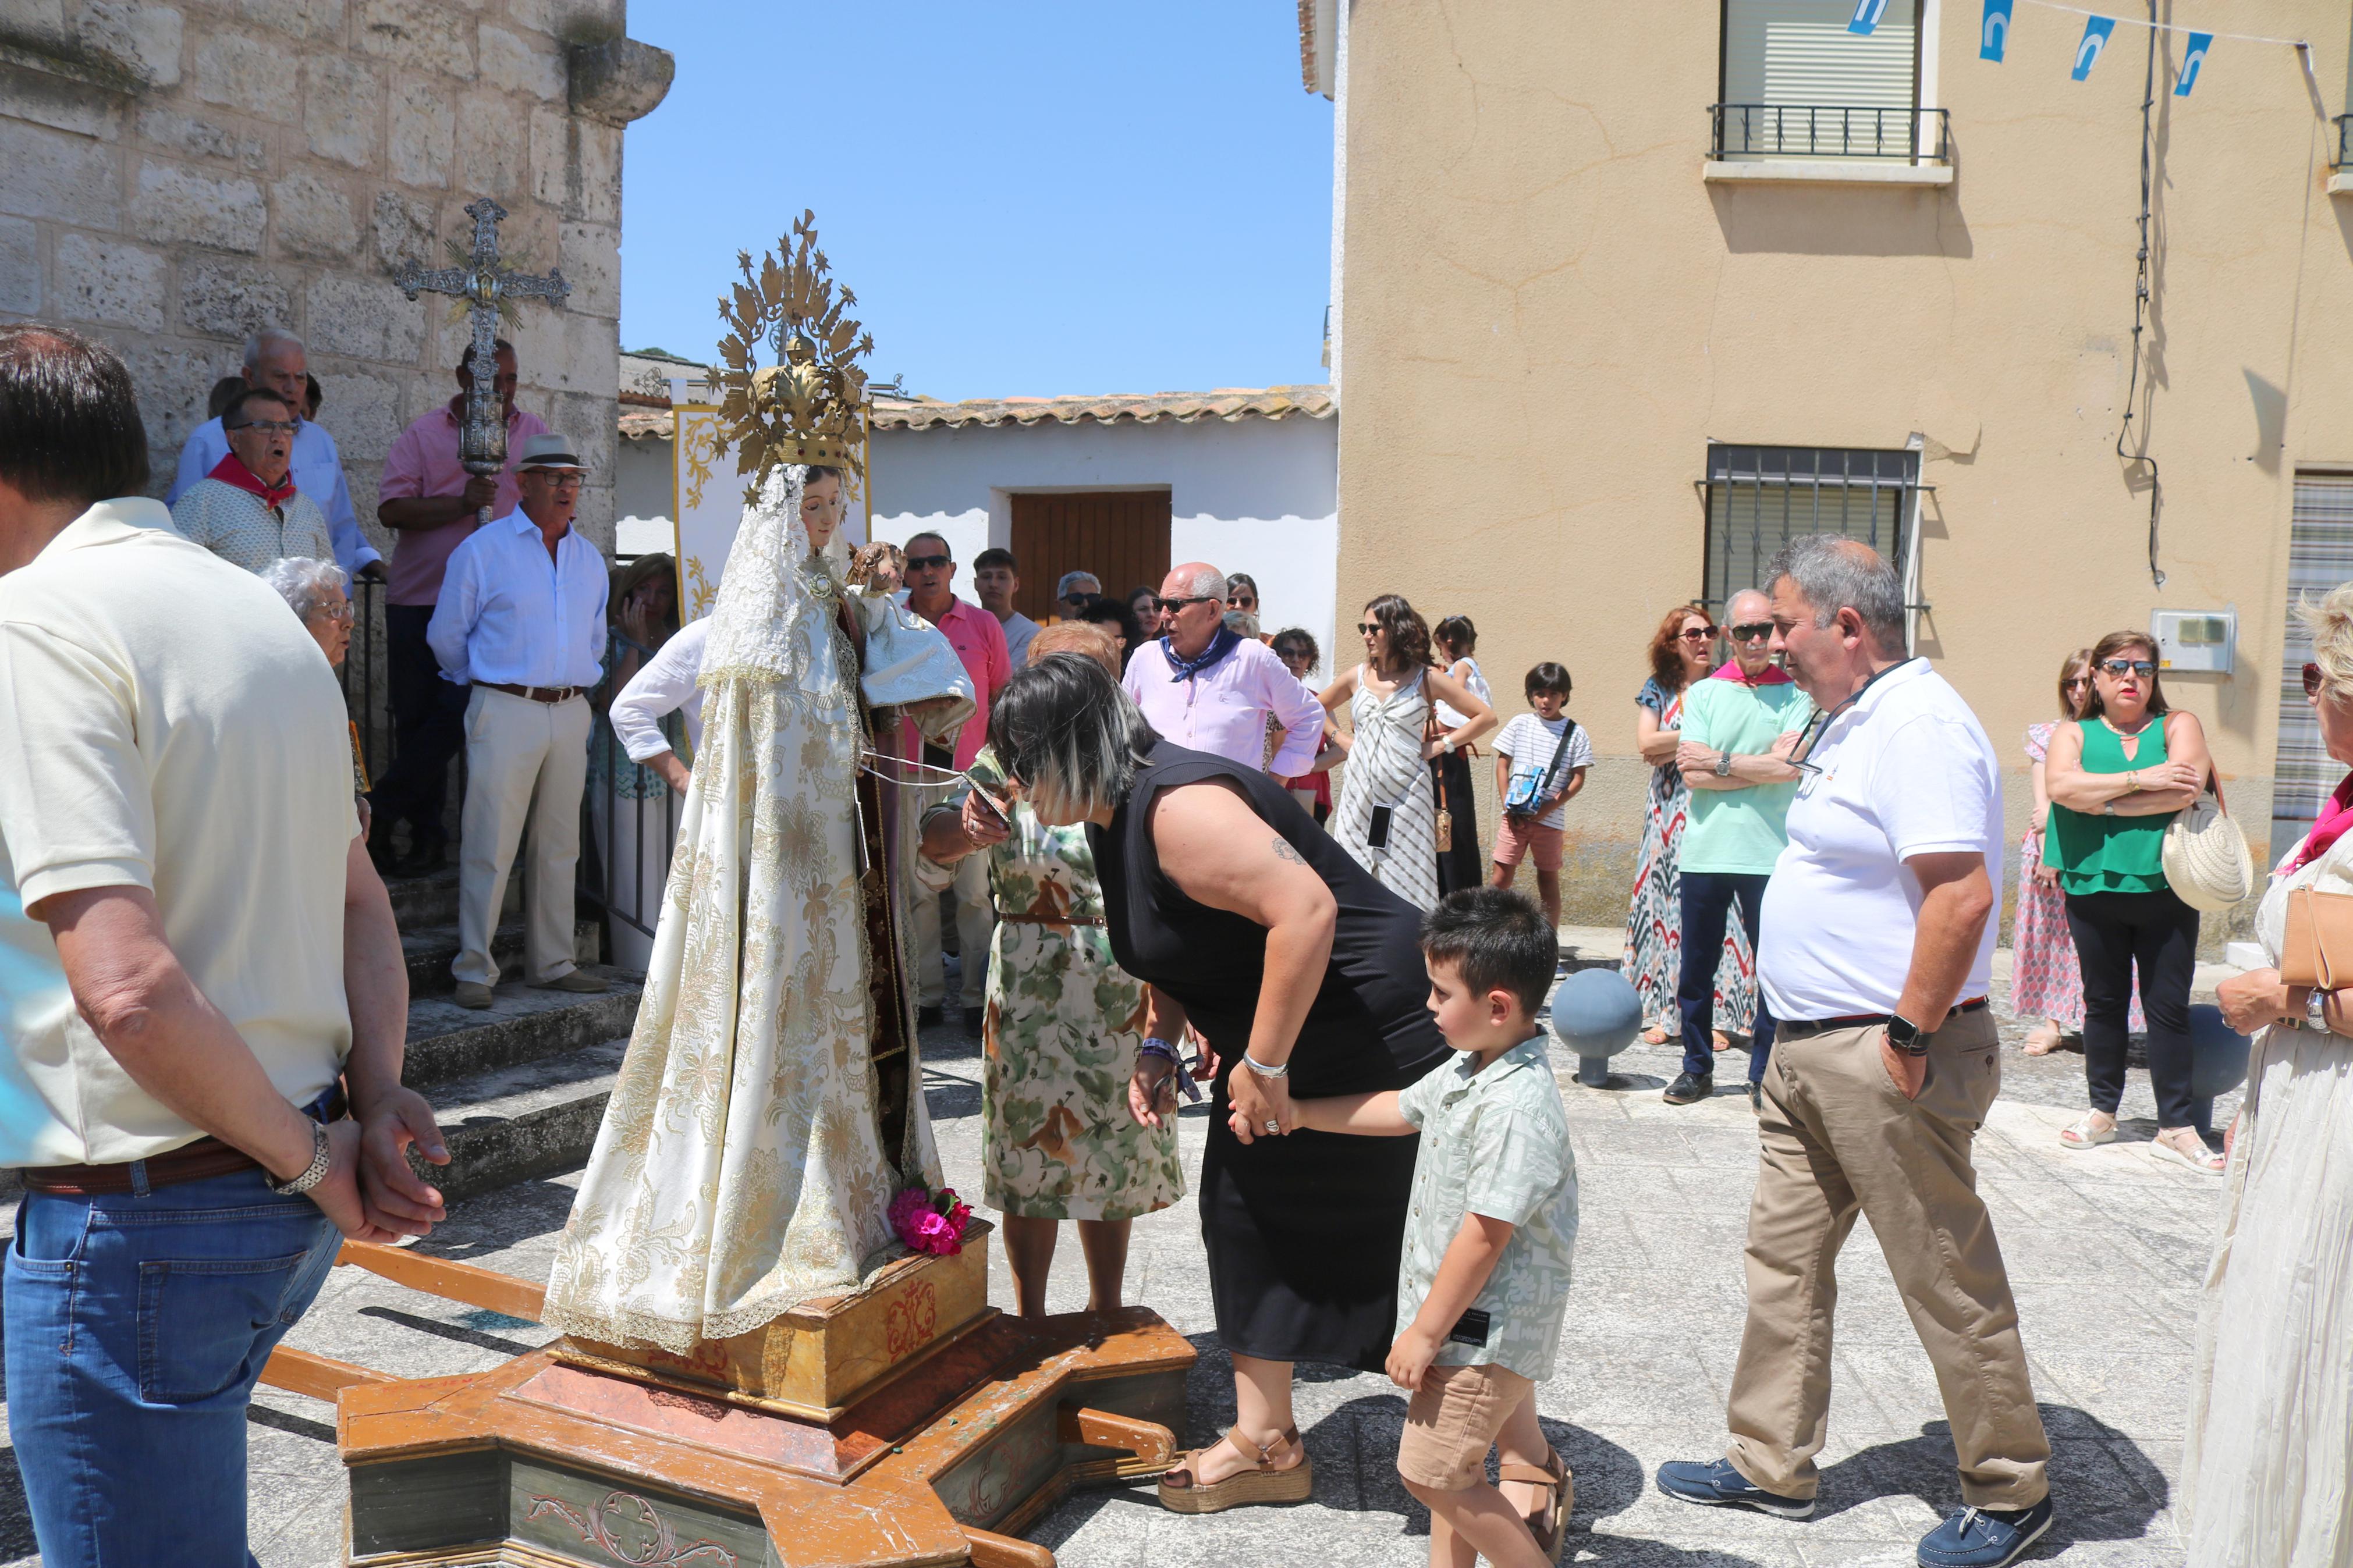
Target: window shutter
[(1798, 52), (2319, 557)]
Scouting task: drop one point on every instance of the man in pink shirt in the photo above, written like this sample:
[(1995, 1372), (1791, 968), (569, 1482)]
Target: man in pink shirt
[(1215, 690), (979, 641), (428, 499)]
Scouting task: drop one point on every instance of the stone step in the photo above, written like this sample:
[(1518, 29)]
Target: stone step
[(513, 1123), (429, 949), (448, 1043), (430, 900)]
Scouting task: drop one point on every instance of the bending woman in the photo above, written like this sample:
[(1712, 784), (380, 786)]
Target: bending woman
[(1304, 976)]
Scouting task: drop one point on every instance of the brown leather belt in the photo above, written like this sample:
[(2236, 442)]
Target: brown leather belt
[(548, 694), (1050, 920), (196, 1162), (1864, 1020)]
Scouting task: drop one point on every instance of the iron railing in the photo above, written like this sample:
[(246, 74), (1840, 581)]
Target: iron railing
[(2344, 153), (1827, 130)]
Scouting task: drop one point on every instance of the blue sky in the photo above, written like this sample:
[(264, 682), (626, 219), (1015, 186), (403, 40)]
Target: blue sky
[(1029, 197)]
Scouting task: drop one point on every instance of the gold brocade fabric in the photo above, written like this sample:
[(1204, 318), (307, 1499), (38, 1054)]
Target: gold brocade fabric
[(740, 1169)]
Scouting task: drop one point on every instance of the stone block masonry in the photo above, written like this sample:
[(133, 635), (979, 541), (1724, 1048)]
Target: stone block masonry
[(180, 174)]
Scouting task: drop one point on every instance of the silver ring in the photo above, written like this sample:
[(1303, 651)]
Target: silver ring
[(1274, 1127)]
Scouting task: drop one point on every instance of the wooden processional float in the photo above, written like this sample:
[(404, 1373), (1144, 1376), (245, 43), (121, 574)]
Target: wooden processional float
[(904, 1422)]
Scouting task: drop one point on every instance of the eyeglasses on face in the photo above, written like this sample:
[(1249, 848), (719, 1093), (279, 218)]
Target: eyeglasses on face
[(335, 614), (2312, 680), (1170, 606), (286, 426), (1698, 634), (2119, 667), (929, 563), (1241, 602), (2073, 681), (1753, 631), (1366, 628)]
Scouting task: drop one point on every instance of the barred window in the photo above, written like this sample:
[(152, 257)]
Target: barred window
[(1760, 497)]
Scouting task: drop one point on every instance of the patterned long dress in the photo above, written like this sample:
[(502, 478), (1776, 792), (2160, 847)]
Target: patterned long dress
[(1385, 768), (1059, 1041), (1654, 917), (2046, 980)]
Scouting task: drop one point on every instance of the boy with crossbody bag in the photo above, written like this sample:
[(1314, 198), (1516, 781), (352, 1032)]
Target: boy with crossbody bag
[(1541, 760)]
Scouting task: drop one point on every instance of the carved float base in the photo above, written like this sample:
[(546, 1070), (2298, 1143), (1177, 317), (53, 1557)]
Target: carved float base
[(547, 1462)]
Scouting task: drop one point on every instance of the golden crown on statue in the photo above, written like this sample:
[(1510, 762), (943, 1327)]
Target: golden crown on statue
[(809, 404)]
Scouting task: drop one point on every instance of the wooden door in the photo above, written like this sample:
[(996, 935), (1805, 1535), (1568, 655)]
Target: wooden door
[(1121, 536)]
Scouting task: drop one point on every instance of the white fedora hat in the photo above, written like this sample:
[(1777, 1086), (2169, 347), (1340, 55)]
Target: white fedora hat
[(549, 451)]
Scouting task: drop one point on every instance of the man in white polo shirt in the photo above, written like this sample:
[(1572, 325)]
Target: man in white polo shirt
[(197, 947), (1876, 955), (521, 619)]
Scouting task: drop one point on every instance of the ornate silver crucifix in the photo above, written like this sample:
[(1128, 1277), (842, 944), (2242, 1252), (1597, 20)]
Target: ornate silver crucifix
[(482, 438)]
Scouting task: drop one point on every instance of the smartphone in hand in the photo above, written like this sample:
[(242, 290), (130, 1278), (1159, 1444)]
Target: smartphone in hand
[(990, 809)]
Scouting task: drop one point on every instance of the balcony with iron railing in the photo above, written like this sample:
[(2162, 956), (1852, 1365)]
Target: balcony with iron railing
[(2343, 155), (1829, 142)]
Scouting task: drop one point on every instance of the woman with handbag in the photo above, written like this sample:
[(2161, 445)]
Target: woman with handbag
[(1387, 818), (2266, 1473), (2117, 778)]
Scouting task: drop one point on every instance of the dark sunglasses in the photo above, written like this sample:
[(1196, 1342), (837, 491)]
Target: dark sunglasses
[(2143, 668), (1752, 632), (1698, 634), (1366, 628), (1170, 606), (926, 562), (2312, 680), (2073, 681), (1079, 598)]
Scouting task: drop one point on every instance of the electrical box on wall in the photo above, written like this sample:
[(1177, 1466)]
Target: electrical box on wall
[(2194, 640)]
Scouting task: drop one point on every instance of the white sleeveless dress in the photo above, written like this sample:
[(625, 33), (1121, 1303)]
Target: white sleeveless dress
[(1385, 768)]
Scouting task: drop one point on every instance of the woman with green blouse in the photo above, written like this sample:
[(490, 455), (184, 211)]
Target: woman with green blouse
[(2116, 777)]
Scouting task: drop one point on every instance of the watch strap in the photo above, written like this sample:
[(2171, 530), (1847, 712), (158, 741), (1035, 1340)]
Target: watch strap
[(1908, 1036), (321, 1158)]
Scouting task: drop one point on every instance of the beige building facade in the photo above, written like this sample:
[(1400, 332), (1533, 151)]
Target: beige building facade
[(175, 177), (1598, 347)]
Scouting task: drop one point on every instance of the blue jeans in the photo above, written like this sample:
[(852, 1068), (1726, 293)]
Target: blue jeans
[(137, 1325), (1707, 900)]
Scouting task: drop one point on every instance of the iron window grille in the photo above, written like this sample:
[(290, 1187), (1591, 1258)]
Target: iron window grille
[(2344, 153), (1828, 130), (1760, 497)]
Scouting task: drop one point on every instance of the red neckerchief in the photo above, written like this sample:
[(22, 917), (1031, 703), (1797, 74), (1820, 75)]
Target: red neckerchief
[(1773, 675), (2333, 825), (231, 470)]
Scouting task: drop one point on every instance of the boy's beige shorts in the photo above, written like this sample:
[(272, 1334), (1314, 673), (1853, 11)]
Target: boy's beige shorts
[(1454, 1419)]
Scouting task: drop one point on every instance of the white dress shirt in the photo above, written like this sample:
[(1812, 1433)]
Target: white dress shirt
[(1224, 709), (663, 685), (508, 616), (317, 473)]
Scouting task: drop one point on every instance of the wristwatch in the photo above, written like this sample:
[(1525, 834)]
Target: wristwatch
[(1724, 765), (1905, 1037), (2316, 1010), (321, 1157)]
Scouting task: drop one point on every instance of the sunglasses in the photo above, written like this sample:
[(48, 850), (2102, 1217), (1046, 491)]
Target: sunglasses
[(1366, 628), (928, 563), (2073, 681), (1076, 599), (2312, 680), (1698, 634), (2143, 668), (287, 427), (1754, 631), (1170, 606)]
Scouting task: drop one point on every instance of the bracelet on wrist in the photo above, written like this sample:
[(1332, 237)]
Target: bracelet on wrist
[(321, 1158), (1263, 1070)]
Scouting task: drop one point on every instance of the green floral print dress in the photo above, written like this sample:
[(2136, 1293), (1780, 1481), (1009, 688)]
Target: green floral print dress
[(1060, 1042)]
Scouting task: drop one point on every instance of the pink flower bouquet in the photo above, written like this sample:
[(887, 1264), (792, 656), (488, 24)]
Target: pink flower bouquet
[(930, 1222)]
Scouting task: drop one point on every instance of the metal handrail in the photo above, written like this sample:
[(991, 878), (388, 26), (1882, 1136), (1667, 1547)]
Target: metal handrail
[(1828, 130)]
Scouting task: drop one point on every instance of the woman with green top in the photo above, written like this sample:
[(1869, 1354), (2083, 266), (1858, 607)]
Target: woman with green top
[(2116, 777)]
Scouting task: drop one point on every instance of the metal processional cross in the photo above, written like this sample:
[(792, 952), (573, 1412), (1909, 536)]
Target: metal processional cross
[(483, 284)]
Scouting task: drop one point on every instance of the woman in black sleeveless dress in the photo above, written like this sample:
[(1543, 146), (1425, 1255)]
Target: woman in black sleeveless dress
[(1326, 982)]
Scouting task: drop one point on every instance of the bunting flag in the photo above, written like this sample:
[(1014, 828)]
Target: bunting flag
[(2097, 30), (2193, 60), (1995, 35), (1867, 14)]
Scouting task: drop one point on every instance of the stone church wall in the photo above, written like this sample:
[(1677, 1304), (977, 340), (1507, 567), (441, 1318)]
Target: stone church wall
[(175, 176)]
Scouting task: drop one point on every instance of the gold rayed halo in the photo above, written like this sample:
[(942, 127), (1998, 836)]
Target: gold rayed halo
[(808, 405)]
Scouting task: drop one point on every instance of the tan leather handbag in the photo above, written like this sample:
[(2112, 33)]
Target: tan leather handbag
[(2317, 948)]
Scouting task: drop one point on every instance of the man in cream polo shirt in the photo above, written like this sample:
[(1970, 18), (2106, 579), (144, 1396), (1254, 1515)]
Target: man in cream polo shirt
[(205, 948)]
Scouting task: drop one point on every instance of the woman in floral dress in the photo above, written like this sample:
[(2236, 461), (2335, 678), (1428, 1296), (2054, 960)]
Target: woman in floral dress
[(1060, 1035), (1654, 918), (2046, 980)]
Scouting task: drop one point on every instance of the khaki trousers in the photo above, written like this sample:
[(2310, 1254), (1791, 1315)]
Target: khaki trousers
[(976, 924), (525, 761), (1839, 1138)]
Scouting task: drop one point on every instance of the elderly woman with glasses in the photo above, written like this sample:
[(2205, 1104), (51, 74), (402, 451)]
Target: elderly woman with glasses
[(2267, 1474), (1304, 976), (2116, 777), (314, 590)]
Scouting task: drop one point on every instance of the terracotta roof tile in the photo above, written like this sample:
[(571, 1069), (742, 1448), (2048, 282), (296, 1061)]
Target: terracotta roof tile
[(1226, 403)]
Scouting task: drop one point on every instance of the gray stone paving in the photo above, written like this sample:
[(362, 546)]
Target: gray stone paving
[(2105, 1250)]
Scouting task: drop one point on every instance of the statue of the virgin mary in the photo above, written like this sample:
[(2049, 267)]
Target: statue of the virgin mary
[(771, 1103)]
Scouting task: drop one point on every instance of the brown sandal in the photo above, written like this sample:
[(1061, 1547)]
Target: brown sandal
[(1551, 1526), (1181, 1493)]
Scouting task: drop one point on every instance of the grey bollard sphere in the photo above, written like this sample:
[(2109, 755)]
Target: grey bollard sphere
[(2218, 1053), (1596, 1014)]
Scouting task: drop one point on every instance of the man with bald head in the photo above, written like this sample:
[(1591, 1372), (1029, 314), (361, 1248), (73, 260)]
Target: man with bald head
[(276, 360), (1212, 690), (1735, 757)]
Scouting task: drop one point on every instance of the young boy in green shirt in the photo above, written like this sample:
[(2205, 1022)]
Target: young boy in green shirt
[(1482, 1284)]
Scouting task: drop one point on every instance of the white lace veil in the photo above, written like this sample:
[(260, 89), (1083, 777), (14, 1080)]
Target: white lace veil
[(777, 595)]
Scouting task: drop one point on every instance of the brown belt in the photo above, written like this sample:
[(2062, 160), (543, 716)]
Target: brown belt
[(1049, 919), (549, 694), (194, 1161)]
